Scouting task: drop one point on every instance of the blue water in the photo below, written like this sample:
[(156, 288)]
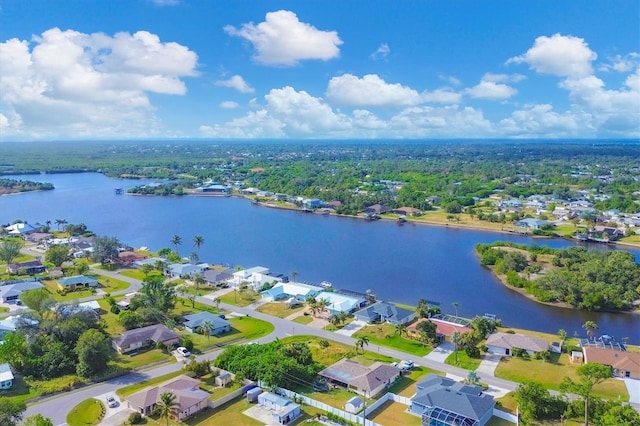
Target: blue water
[(398, 263)]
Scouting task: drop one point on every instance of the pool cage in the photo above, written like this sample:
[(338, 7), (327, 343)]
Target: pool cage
[(435, 416)]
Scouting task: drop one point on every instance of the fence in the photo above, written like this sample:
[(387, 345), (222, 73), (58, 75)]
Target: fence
[(236, 393), (505, 416)]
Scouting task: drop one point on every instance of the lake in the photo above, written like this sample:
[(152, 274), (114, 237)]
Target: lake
[(398, 263)]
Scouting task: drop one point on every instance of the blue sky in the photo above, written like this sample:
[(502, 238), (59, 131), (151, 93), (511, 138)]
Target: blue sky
[(108, 69)]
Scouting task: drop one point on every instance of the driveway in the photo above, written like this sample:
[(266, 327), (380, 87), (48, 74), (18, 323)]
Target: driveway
[(633, 387), (440, 353), (488, 365), (114, 416), (351, 328)]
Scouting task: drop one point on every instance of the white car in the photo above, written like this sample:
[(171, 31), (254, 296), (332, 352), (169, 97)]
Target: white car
[(406, 365), (183, 352), (111, 402)]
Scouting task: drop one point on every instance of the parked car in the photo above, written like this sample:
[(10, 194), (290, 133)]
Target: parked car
[(183, 351), (111, 402), (406, 365)]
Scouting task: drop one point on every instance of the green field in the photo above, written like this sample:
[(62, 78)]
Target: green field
[(384, 335)]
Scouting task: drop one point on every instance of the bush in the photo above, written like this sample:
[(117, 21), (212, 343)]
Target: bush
[(114, 309), (324, 343), (186, 342), (161, 346), (472, 351), (135, 418)]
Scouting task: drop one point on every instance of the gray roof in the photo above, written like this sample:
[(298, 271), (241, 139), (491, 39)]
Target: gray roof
[(509, 341), (12, 290), (386, 311), (455, 397), (185, 388), (213, 276), (78, 279), (157, 333), (360, 376), (194, 321)]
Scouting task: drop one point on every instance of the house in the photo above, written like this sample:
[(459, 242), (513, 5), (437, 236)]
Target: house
[(434, 199), (288, 290), (72, 283), (368, 381), (214, 188), (186, 270), (624, 364), (30, 267), (255, 278), (11, 323), (407, 211), (312, 203), (337, 302), (530, 223), (443, 328), (138, 338), (213, 277), (22, 228), (6, 376), (189, 397), (385, 312), (376, 209), (127, 258), (153, 261), (443, 401), (354, 405), (217, 325), (504, 343), (10, 293), (74, 308), (283, 410)]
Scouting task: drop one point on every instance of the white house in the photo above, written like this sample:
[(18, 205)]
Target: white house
[(289, 290), (6, 376), (337, 302), (255, 277)]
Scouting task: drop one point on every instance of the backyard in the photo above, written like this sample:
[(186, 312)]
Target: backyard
[(385, 335), (278, 309)]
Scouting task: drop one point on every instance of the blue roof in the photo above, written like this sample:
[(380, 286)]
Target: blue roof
[(195, 320), (77, 279)]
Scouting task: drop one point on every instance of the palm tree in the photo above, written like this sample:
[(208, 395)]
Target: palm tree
[(312, 303), (590, 326), (198, 241), (361, 342), (60, 222), (160, 266), (176, 240), (323, 304), (198, 280), (401, 329), (167, 406), (293, 274), (217, 301), (456, 337), (455, 306), (206, 328), (335, 320)]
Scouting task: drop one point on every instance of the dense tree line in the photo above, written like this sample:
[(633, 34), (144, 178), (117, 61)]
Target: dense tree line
[(276, 364), (9, 186), (590, 280)]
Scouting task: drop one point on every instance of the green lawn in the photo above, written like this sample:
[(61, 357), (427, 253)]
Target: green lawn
[(464, 361), (239, 298), (278, 309), (106, 284), (384, 335), (394, 413), (550, 375), (303, 319), (128, 390), (405, 385), (241, 328), (140, 359), (331, 327), (227, 414), (111, 285), (88, 412)]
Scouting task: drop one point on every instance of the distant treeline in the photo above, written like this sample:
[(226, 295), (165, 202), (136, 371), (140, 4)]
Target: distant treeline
[(10, 186), (591, 280)]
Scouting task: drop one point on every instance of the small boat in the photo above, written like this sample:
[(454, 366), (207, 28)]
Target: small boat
[(402, 219)]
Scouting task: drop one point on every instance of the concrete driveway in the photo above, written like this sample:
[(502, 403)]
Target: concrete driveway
[(488, 365), (351, 328), (633, 387)]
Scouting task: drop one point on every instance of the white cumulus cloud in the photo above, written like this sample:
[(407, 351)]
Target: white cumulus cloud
[(72, 84), (229, 105), (236, 82), (381, 53), (282, 40), (370, 90), (491, 91)]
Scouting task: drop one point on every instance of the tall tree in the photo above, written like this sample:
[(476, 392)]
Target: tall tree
[(57, 254), (176, 241), (455, 306), (590, 374), (590, 326), (105, 249), (39, 300), (206, 328), (167, 406), (401, 329), (37, 420), (93, 350), (13, 349), (361, 342), (11, 411), (10, 249), (198, 280), (456, 337), (60, 222), (198, 241)]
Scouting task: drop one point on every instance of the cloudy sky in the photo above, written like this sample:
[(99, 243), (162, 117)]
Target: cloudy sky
[(331, 69)]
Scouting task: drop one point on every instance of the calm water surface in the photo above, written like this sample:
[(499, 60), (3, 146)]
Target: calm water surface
[(398, 263)]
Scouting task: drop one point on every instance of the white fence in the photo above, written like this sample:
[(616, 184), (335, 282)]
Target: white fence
[(505, 416)]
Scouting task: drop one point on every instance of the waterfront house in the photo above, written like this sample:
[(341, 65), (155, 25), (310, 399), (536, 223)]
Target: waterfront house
[(138, 338), (22, 228), (364, 380), (127, 258), (30, 267), (217, 325), (6, 376), (255, 278), (153, 261), (384, 312), (77, 281), (186, 270), (407, 211), (444, 328), (10, 293), (504, 343), (289, 290), (376, 209), (530, 223), (282, 409), (337, 302), (312, 203), (623, 364), (443, 401), (189, 397), (214, 277)]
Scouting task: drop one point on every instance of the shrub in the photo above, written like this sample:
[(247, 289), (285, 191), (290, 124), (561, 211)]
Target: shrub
[(324, 343), (161, 346), (135, 418), (114, 309), (186, 342), (472, 351)]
